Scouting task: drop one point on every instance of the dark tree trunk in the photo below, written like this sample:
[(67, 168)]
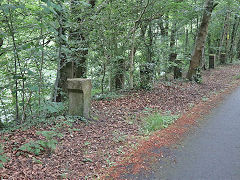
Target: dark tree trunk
[(203, 60), (76, 67), (224, 38), (238, 49), (79, 44), (173, 55), (147, 69), (178, 69), (164, 29), (186, 41), (210, 49), (223, 58), (233, 36), (119, 76), (201, 38)]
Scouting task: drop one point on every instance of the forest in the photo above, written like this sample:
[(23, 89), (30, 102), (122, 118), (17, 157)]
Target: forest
[(123, 46)]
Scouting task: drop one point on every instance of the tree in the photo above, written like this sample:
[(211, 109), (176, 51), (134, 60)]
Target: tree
[(201, 38), (118, 44), (73, 64)]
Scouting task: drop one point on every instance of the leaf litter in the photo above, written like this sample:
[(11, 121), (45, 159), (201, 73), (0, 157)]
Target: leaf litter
[(113, 143)]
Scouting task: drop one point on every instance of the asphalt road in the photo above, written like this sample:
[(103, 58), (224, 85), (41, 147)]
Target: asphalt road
[(211, 152)]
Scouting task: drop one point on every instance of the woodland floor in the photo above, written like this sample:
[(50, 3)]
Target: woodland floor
[(114, 142)]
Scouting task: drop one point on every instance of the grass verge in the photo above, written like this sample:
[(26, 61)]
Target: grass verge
[(159, 121)]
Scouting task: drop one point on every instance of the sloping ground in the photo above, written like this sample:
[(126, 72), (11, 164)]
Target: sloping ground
[(88, 150)]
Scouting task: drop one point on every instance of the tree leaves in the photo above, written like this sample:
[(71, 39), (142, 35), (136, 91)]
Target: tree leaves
[(10, 7)]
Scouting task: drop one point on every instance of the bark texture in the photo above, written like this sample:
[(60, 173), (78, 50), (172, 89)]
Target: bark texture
[(201, 39), (76, 67)]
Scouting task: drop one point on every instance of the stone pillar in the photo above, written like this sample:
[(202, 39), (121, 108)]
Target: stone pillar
[(178, 69), (223, 58), (79, 91), (212, 58)]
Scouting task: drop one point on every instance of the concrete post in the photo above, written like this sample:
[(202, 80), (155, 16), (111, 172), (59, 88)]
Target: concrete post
[(212, 58), (79, 91)]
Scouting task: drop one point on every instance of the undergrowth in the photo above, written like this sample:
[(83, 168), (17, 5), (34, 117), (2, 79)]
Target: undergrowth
[(56, 122), (108, 96), (40, 146), (237, 77), (3, 157), (159, 121)]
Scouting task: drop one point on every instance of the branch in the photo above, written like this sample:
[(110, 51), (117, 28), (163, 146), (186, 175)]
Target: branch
[(153, 18), (142, 13), (215, 5), (1, 42)]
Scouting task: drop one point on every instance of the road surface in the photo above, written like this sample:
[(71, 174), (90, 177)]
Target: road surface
[(211, 152)]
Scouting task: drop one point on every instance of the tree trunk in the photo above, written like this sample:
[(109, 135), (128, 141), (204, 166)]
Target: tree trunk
[(1, 43), (63, 73), (233, 36), (119, 76), (201, 38), (147, 69), (132, 55), (164, 29), (203, 60), (79, 45), (178, 69), (173, 55), (224, 38), (133, 48), (210, 49), (186, 41), (76, 68), (238, 49)]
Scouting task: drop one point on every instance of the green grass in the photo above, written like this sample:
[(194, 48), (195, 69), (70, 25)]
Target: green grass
[(3, 157), (96, 91), (237, 77), (158, 121), (108, 96), (205, 98)]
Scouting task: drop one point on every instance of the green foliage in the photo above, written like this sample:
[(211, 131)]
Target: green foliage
[(198, 77), (41, 146), (33, 48), (158, 121), (205, 98), (32, 147), (108, 160), (237, 77), (3, 157), (96, 92), (119, 137), (54, 108), (37, 160)]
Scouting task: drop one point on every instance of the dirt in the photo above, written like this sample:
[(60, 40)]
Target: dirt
[(113, 142)]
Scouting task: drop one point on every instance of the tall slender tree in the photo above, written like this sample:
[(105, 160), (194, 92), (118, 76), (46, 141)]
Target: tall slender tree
[(201, 39)]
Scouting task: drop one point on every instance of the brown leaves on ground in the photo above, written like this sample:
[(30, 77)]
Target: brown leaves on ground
[(86, 151)]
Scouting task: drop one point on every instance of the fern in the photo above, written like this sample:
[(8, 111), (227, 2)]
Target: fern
[(41, 146)]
